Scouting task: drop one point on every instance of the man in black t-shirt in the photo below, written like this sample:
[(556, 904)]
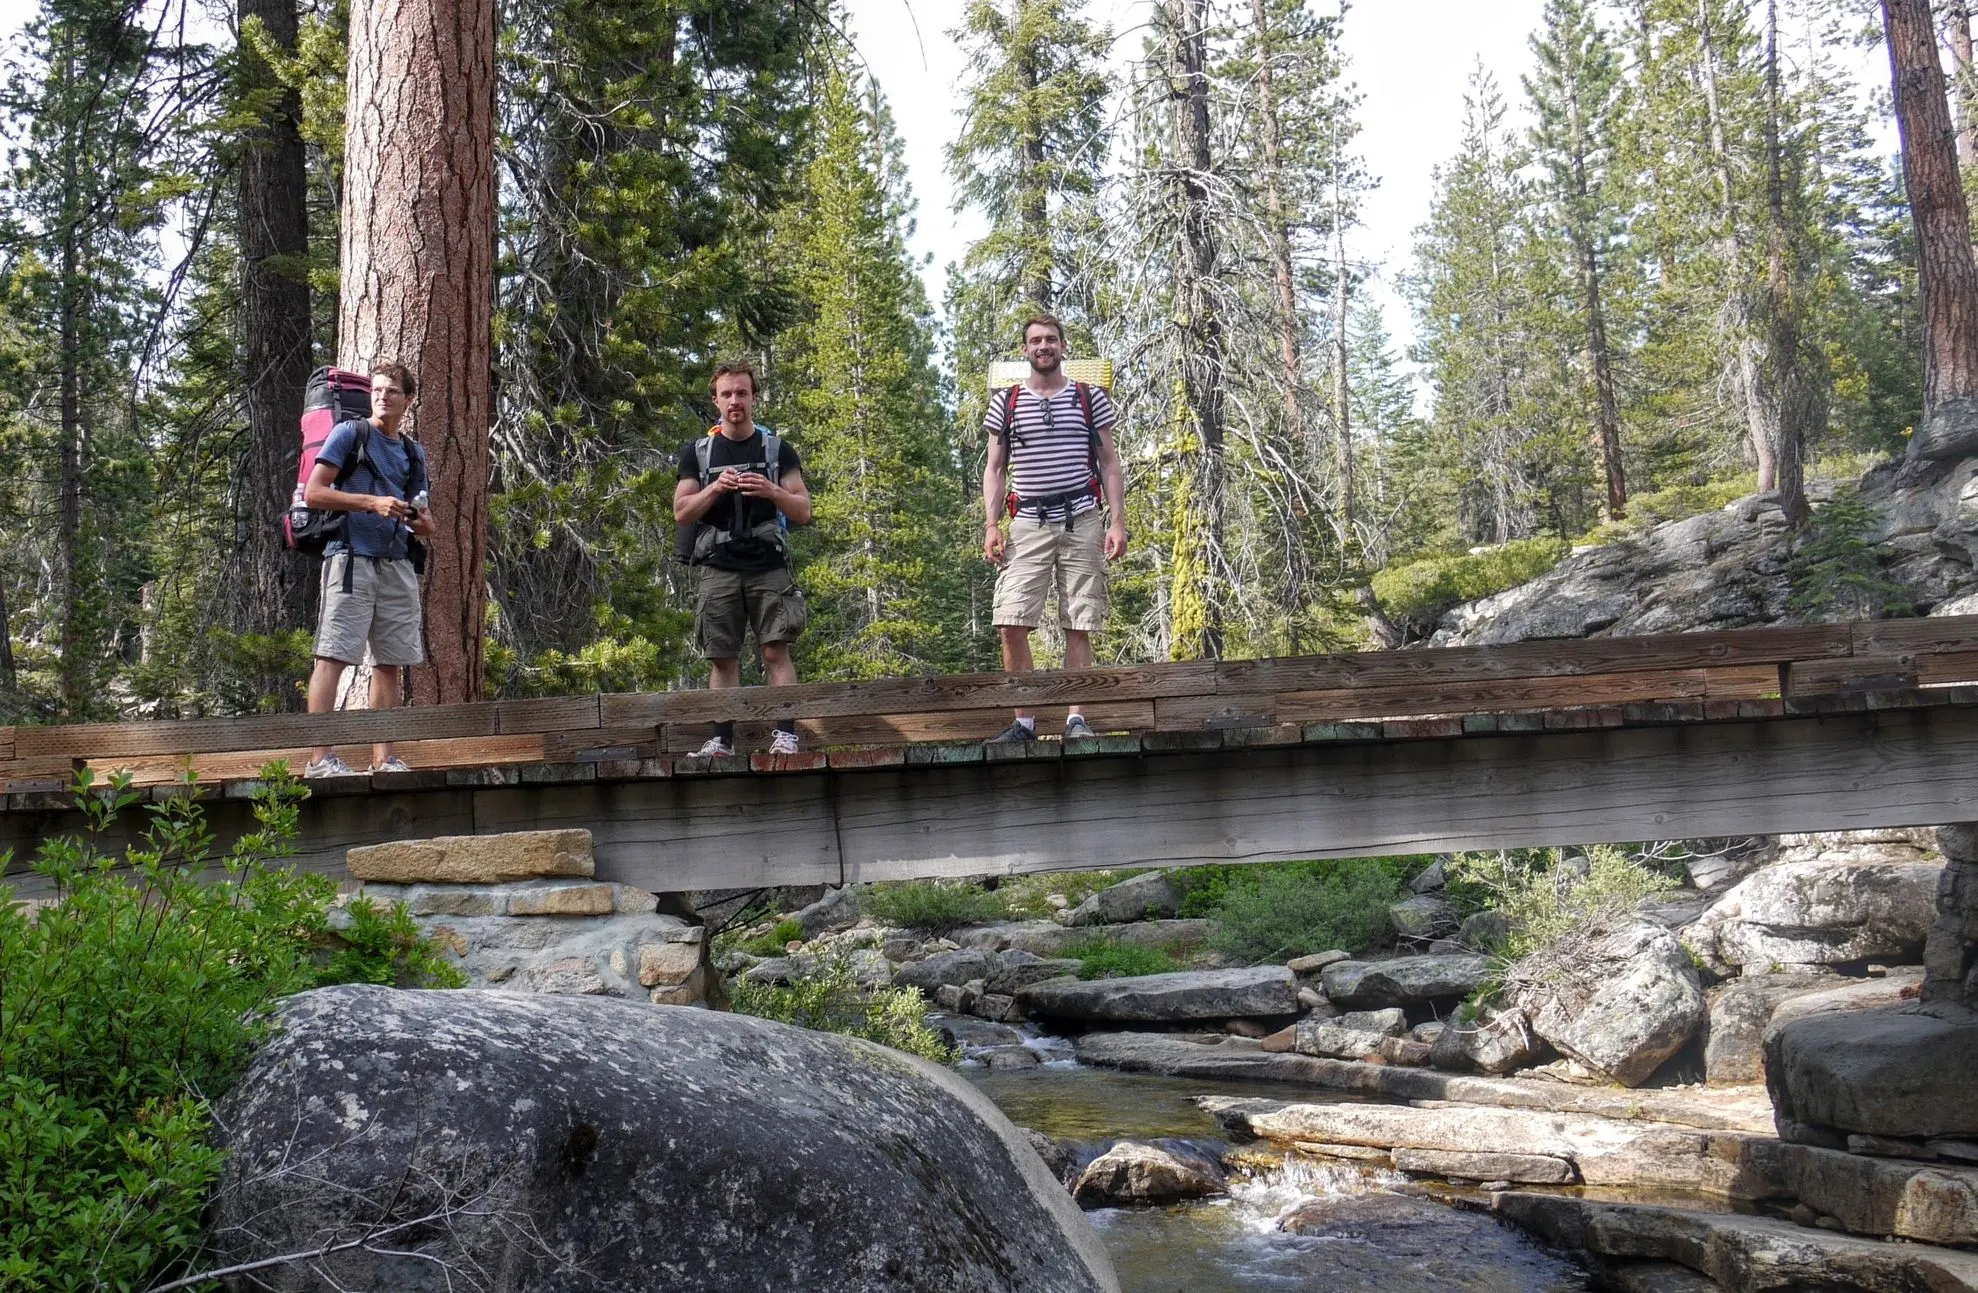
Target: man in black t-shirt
[(734, 512)]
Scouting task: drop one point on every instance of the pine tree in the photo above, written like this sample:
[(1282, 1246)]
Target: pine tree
[(858, 390)]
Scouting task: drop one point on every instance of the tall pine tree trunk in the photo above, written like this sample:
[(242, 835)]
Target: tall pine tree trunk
[(1203, 370), (417, 258), (1342, 388), (1957, 25), (1607, 405), (1290, 361), (1794, 391), (276, 586), (1036, 196), (75, 671), (1948, 276)]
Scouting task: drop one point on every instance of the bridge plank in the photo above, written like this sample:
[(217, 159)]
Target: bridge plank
[(6, 743), (262, 732), (1947, 667), (1483, 696), (892, 729), (1930, 635), (546, 714), (1851, 674), (231, 765)]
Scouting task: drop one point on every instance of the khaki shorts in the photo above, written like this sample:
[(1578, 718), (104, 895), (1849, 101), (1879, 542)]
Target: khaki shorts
[(381, 608), (731, 602), (1040, 557)]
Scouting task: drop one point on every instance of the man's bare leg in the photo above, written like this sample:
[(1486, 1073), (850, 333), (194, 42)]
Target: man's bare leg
[(777, 666), (723, 673), (386, 690), (1078, 655), (1016, 653), (324, 679)]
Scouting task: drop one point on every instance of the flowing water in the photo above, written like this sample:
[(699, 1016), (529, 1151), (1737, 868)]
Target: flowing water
[(1287, 1223)]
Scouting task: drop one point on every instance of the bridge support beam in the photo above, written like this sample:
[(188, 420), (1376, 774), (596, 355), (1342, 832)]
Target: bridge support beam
[(1843, 771)]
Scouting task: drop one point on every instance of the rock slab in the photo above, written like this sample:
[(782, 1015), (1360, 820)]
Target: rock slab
[(1143, 897), (1403, 981), (1259, 991), (1620, 1000), (476, 859), (1902, 1071), (578, 1145)]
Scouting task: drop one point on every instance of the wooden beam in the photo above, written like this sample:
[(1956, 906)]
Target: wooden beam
[(268, 732)]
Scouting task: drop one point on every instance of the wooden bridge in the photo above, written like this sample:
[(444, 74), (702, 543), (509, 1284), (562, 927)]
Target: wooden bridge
[(1819, 727)]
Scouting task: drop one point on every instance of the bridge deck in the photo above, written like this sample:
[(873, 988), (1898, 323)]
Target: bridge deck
[(1794, 728)]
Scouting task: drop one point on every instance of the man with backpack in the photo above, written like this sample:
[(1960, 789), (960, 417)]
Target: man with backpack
[(1051, 463), (740, 488), (377, 479)]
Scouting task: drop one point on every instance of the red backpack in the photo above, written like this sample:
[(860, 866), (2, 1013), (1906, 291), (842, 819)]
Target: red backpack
[(333, 396)]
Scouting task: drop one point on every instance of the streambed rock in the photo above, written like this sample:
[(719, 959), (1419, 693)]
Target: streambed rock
[(1491, 1041), (1143, 897), (1403, 980), (1740, 1012), (1619, 999), (1048, 938), (1259, 991), (1148, 1172), (1819, 912), (580, 1144), (1904, 1072)]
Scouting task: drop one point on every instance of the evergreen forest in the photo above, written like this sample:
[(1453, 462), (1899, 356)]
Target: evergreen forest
[(1671, 266)]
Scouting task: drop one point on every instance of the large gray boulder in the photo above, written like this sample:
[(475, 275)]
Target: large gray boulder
[(1901, 1071), (1740, 1012), (1619, 999), (956, 967), (1403, 981), (1489, 1041), (1255, 992), (1143, 897), (1819, 912), (1158, 1171), (1049, 938), (554, 1145)]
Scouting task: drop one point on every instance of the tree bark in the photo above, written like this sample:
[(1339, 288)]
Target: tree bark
[(1342, 389), (1957, 25), (1948, 277), (276, 586), (1203, 369), (1794, 392), (74, 697), (1607, 405), (1290, 360), (417, 253)]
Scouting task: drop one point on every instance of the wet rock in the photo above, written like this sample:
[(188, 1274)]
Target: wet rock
[(1483, 1165), (1403, 981), (1139, 1172), (1619, 999), (956, 967), (1315, 1037), (1003, 1058), (1898, 1071), (601, 1142), (1490, 1041), (1258, 991), (1143, 897)]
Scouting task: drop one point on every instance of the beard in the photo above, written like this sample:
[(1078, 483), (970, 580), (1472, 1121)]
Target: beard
[(1046, 365)]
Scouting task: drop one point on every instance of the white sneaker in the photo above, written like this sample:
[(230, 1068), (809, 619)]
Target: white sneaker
[(783, 742), (716, 748), (393, 764), (329, 767)]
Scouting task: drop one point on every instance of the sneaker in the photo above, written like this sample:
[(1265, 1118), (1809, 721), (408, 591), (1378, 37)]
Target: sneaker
[(1014, 732), (783, 742), (396, 764), (716, 748), (1076, 728), (329, 767)]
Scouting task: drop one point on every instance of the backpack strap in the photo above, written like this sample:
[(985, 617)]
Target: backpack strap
[(1007, 433)]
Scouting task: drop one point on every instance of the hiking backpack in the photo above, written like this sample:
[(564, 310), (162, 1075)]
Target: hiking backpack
[(686, 544), (333, 396), (1007, 435)]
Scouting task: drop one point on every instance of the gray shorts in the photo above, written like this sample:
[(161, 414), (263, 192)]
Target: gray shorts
[(731, 602), (381, 608)]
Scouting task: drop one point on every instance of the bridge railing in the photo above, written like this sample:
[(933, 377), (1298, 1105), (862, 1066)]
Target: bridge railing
[(1768, 668)]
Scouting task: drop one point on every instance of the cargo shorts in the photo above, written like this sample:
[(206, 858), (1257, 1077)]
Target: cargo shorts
[(1044, 556), (730, 603), (381, 608)]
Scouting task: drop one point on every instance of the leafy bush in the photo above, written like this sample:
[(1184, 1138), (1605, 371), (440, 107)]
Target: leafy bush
[(1546, 895), (1420, 591), (932, 906), (1203, 888), (777, 941), (1293, 911), (131, 1001), (1026, 896), (383, 945), (1104, 958), (832, 1001)]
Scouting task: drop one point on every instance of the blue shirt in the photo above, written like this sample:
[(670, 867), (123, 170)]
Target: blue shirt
[(386, 470)]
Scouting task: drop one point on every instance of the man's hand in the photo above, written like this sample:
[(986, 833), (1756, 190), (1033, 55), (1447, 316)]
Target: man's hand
[(727, 482), (394, 509), (1115, 541), (755, 485), (992, 544)]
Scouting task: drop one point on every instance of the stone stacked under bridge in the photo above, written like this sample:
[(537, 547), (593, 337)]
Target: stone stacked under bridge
[(524, 912)]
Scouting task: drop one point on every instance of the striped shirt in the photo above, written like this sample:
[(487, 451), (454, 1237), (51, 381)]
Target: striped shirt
[(1050, 449)]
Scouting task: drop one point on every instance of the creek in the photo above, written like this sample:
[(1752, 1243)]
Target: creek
[(1287, 1223)]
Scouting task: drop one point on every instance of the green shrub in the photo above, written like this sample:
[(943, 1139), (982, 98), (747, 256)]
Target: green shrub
[(1203, 888), (1420, 591), (383, 945), (1293, 911), (1836, 573), (832, 1001), (1026, 896), (1104, 958), (127, 1005), (1546, 896), (932, 906)]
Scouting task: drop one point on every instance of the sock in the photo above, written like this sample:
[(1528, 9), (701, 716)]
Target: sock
[(788, 725), (1029, 724), (726, 731)]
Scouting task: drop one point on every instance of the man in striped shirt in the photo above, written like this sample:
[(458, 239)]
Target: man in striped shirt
[(1051, 456)]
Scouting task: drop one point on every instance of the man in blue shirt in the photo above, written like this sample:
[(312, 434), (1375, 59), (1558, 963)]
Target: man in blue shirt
[(370, 593)]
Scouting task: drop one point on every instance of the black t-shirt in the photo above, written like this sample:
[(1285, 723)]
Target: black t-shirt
[(742, 553)]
